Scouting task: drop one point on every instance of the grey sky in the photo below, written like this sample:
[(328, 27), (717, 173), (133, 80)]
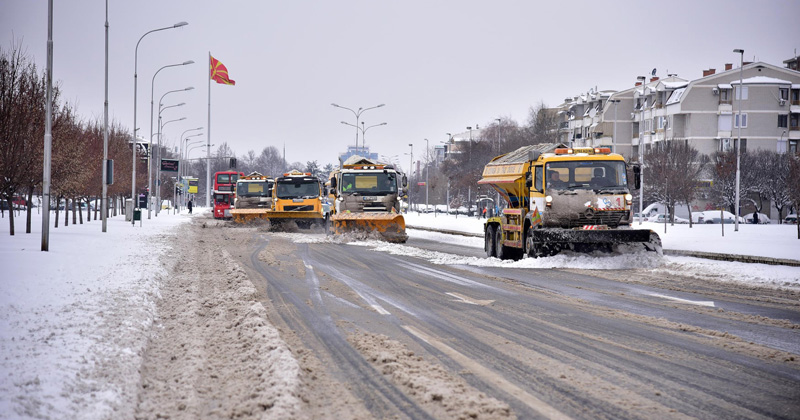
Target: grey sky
[(439, 66)]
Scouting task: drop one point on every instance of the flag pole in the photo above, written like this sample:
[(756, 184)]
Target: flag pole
[(208, 138)]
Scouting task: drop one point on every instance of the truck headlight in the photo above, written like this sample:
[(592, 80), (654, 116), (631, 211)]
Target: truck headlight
[(548, 201), (628, 199)]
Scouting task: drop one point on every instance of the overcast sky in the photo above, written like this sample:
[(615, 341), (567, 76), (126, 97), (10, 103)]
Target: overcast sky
[(439, 66)]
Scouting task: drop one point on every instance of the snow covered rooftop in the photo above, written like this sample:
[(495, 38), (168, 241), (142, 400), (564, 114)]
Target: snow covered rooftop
[(762, 80)]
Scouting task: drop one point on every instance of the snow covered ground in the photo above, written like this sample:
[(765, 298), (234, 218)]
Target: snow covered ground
[(74, 321)]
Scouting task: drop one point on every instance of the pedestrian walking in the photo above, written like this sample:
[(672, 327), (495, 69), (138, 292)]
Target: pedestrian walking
[(189, 206)]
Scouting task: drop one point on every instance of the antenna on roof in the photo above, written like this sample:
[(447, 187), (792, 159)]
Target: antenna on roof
[(653, 73)]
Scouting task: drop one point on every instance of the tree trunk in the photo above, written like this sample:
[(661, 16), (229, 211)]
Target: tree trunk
[(10, 202), (689, 207), (75, 203), (58, 201), (80, 209), (29, 197)]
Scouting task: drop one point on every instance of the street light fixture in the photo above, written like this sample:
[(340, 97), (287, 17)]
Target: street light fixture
[(427, 166), (150, 165), (739, 135), (410, 170), (160, 131), (641, 152), (358, 115), (135, 85), (614, 136)]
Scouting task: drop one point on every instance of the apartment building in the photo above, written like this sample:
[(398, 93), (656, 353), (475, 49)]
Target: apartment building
[(705, 112), (702, 112)]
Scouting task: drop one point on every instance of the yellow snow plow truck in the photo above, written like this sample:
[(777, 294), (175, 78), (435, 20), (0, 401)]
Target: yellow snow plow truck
[(297, 199), (253, 198), (562, 198), (365, 197)]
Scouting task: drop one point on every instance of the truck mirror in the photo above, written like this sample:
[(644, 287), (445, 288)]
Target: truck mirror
[(333, 183), (528, 180), (637, 177), (405, 181)]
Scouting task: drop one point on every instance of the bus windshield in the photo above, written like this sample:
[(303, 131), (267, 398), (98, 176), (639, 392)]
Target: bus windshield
[(593, 174), (297, 189), (371, 183), (254, 189)]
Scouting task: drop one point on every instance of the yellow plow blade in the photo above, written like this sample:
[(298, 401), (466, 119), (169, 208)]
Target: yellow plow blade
[(391, 226), (248, 215)]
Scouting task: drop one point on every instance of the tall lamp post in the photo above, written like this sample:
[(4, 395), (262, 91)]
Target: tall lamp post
[(739, 135), (641, 152), (614, 136), (160, 132), (427, 165), (358, 115), (410, 171), (363, 132), (150, 165), (183, 142), (135, 85)]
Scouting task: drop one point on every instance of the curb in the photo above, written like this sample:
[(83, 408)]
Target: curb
[(672, 252)]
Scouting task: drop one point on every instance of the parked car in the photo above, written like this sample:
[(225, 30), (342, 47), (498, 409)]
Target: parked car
[(791, 219), (659, 218), (763, 219), (713, 216)]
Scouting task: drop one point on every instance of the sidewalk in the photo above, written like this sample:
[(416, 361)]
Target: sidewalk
[(764, 244)]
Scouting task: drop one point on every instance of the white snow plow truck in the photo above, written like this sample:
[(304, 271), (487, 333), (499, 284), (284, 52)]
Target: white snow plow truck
[(365, 197), (560, 198)]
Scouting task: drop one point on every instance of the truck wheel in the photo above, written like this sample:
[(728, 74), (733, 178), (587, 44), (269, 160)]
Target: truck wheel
[(489, 242), (531, 248), (500, 249)]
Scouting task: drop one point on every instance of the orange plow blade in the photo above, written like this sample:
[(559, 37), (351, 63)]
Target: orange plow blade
[(391, 226)]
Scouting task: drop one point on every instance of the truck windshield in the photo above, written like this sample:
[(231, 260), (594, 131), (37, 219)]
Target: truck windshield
[(593, 174), (254, 189), (369, 183), (297, 189)]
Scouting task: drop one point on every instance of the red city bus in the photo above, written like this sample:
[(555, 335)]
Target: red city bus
[(224, 192)]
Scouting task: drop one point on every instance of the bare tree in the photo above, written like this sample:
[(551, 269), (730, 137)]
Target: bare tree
[(793, 182), (674, 168), (772, 183), (723, 189)]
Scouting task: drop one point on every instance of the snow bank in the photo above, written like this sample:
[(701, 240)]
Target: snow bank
[(74, 320)]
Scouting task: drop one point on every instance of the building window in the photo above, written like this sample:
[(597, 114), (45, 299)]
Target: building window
[(783, 121), (784, 93), (736, 120), (727, 145), (744, 92), (782, 146), (794, 121), (724, 94), (793, 146), (725, 121)]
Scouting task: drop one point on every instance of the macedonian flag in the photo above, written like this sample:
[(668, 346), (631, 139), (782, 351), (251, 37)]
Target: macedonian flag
[(219, 73)]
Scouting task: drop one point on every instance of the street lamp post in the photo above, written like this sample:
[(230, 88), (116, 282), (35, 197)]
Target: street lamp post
[(427, 165), (410, 170), (358, 115), (614, 136), (363, 132), (160, 131), (135, 85), (641, 153), (739, 135), (150, 149), (183, 143)]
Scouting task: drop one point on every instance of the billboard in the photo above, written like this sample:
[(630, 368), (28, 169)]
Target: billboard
[(169, 165)]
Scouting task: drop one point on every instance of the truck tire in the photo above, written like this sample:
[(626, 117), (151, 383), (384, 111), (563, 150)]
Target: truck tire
[(489, 241), (502, 251)]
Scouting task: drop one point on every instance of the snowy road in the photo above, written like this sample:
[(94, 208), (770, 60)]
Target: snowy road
[(502, 343)]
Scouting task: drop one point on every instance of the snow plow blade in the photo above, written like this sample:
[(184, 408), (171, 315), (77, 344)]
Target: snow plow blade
[(245, 216), (391, 226), (582, 240)]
